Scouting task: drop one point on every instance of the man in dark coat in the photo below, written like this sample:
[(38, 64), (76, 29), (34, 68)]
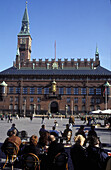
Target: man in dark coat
[(53, 150), (97, 157)]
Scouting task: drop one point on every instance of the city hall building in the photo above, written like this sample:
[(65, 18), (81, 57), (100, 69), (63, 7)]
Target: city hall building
[(50, 86)]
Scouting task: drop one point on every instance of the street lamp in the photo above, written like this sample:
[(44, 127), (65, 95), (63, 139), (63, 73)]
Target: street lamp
[(106, 86), (34, 109), (66, 109), (25, 108)]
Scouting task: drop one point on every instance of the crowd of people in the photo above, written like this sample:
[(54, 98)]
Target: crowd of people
[(86, 152)]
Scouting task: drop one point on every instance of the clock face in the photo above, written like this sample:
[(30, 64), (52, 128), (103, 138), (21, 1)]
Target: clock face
[(22, 41)]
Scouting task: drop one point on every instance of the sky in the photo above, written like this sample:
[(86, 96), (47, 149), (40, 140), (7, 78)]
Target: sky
[(76, 25)]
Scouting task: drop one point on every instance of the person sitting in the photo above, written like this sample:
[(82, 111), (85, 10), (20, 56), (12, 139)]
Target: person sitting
[(13, 128), (42, 130), (54, 132), (78, 153), (81, 131), (92, 132), (65, 133), (97, 157), (32, 147), (43, 140), (13, 139), (42, 146), (53, 150)]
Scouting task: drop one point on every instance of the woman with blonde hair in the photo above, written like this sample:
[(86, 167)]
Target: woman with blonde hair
[(78, 153)]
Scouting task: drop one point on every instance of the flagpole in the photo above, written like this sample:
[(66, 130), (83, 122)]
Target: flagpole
[(55, 50), (106, 97)]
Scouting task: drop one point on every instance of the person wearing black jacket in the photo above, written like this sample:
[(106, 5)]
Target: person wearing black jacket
[(97, 157), (53, 150), (78, 153)]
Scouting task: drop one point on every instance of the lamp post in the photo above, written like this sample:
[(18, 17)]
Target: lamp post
[(25, 108), (66, 109), (34, 109), (106, 86)]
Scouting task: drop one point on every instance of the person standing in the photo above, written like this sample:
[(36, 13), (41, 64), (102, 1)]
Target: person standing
[(92, 131), (42, 120)]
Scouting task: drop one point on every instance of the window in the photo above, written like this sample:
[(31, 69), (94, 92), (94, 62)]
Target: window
[(75, 108), (16, 99), (24, 99), (39, 107), (83, 91), (17, 90), (76, 90), (68, 90), (68, 109), (97, 107), (31, 99), (98, 100), (68, 100), (98, 91), (38, 99), (46, 90), (92, 100), (31, 107), (83, 108), (24, 90), (76, 100), (11, 99), (16, 107), (32, 90), (83, 100), (24, 107), (61, 90), (10, 89), (39, 90), (91, 108), (10, 107), (91, 91)]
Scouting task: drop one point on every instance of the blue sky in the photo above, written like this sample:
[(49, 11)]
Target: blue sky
[(76, 25)]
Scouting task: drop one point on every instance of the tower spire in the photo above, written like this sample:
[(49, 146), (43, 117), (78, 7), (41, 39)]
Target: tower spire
[(25, 22), (96, 53)]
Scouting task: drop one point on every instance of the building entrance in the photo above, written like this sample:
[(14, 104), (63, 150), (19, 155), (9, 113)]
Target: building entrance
[(54, 107)]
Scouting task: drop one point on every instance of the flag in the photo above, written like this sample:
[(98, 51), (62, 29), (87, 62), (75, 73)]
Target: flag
[(104, 92)]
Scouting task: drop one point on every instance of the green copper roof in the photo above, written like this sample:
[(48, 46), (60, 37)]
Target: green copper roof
[(97, 50), (25, 23), (25, 17)]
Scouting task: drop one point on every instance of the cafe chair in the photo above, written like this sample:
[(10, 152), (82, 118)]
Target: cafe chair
[(108, 166), (11, 152), (60, 161), (31, 162)]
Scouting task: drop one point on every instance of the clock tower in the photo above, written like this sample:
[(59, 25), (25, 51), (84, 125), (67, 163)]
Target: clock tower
[(24, 40)]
